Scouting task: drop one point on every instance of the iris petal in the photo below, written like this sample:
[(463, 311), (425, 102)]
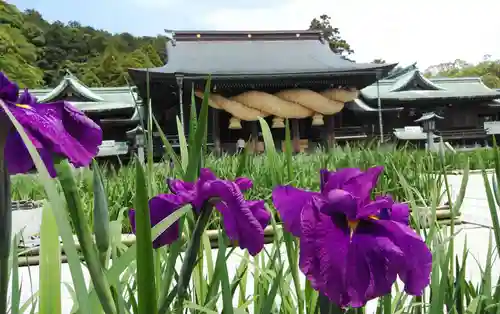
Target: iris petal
[(337, 179), (244, 183), (183, 189), (26, 98), (260, 212), (372, 264), (373, 208), (8, 89), (289, 202), (340, 202), (323, 253), (161, 207), (55, 128), (239, 221), (206, 175), (417, 263), (362, 185), (400, 212), (59, 130), (324, 175), (16, 154)]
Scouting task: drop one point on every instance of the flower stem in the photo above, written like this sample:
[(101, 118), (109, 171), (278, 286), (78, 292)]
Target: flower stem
[(191, 255), (5, 229), (82, 230)]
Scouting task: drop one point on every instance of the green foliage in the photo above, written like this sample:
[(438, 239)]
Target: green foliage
[(37, 53), (18, 55), (120, 183), (331, 34), (488, 70)]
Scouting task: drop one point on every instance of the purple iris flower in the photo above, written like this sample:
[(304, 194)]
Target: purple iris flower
[(244, 220), (352, 248), (55, 129)]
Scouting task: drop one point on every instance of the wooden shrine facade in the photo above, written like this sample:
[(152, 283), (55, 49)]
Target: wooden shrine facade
[(276, 75), (294, 75)]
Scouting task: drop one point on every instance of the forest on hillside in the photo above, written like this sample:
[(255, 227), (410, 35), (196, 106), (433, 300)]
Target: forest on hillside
[(37, 53)]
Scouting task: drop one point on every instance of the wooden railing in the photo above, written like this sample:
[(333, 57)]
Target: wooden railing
[(465, 133), (351, 132), (424, 216)]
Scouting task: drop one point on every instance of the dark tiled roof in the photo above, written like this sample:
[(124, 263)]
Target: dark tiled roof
[(228, 54)]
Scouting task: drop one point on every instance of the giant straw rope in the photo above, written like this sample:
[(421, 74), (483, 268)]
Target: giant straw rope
[(289, 103)]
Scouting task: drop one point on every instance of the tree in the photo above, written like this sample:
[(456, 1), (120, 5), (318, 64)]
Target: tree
[(331, 34), (110, 69), (152, 55), (17, 54), (35, 52), (488, 70), (90, 79)]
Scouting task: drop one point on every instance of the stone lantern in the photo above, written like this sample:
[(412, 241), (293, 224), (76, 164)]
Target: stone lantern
[(428, 121), (137, 135)]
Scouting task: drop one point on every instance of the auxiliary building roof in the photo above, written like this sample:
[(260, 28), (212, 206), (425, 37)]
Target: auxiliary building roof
[(97, 99), (413, 85)]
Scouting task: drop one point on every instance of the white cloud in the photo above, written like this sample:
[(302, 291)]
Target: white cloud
[(426, 31)]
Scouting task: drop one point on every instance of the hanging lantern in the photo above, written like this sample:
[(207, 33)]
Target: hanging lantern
[(278, 123), (234, 124), (317, 120)]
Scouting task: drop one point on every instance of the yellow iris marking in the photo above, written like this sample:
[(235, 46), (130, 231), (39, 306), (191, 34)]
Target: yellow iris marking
[(353, 224), (23, 106)]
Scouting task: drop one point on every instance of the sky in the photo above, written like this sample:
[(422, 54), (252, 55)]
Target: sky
[(428, 32)]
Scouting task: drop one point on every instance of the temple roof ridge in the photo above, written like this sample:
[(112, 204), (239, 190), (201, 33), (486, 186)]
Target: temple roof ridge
[(71, 80), (95, 98), (245, 35), (400, 72), (413, 77)]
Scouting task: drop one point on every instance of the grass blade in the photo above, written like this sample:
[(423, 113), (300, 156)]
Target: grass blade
[(5, 230), (191, 255), (227, 297), (169, 149), (193, 121), (15, 300), (101, 213), (272, 156), (50, 265), (182, 144), (82, 230), (243, 159), (288, 150), (270, 298), (146, 288), (201, 128)]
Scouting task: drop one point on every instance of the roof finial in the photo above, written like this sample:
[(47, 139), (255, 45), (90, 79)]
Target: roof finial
[(170, 34), (68, 72), (322, 37)]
